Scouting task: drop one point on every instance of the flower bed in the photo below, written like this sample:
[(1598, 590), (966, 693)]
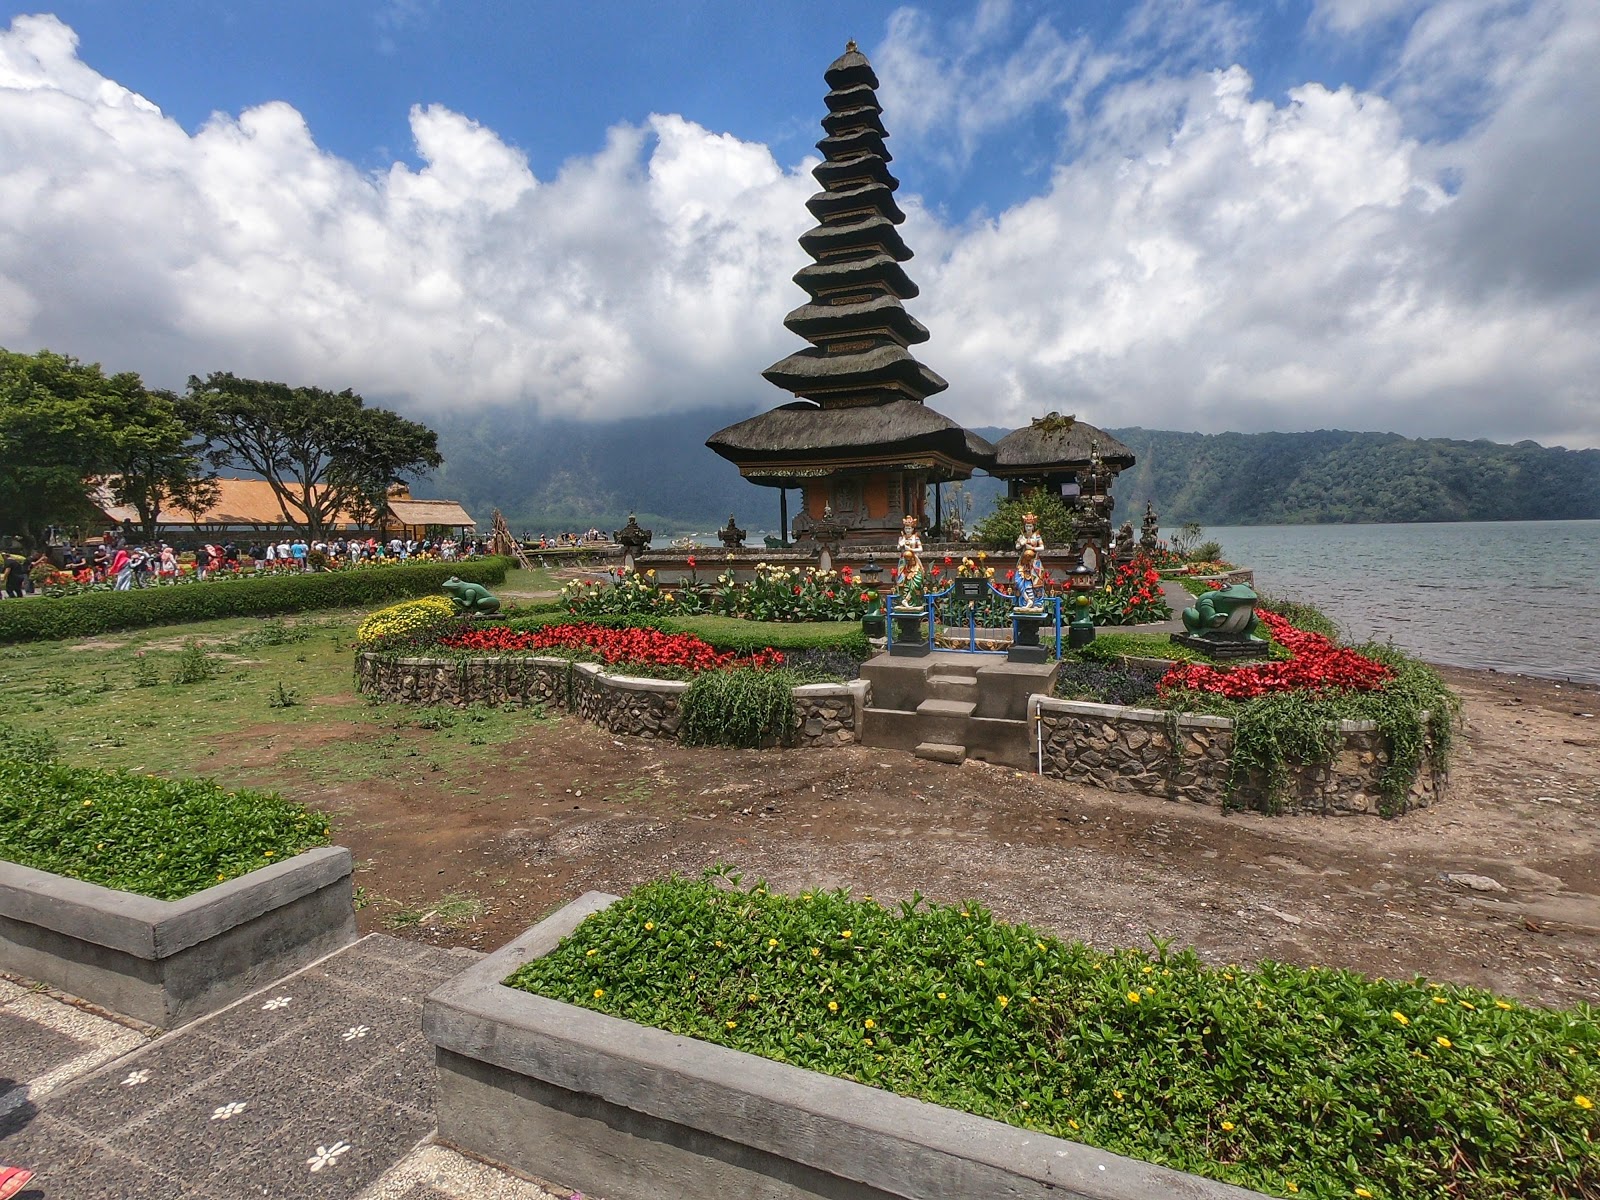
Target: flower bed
[(1289, 1080), (820, 714), (162, 899), (1316, 664), (775, 593), (1132, 596), (1328, 728), (164, 838), (625, 646)]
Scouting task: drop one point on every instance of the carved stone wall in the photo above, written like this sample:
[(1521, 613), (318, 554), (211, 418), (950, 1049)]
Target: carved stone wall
[(1132, 750), (825, 714)]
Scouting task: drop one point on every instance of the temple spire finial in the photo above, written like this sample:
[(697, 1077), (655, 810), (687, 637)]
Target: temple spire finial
[(850, 46)]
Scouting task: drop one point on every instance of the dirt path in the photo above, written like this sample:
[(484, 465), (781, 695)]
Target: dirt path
[(571, 808)]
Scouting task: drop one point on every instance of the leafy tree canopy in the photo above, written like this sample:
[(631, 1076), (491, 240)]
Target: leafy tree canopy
[(54, 432), (322, 452), (1001, 528)]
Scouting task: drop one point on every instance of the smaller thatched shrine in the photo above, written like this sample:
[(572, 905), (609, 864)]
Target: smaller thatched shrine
[(1056, 454)]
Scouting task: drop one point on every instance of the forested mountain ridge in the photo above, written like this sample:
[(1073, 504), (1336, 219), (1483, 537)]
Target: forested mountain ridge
[(1332, 476), (548, 475)]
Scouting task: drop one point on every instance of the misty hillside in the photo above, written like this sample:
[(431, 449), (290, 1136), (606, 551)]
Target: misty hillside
[(552, 474)]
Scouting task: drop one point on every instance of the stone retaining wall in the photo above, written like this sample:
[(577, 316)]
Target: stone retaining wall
[(1131, 750), (825, 714)]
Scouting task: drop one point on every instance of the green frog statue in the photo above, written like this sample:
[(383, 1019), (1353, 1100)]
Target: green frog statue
[(470, 597), (1223, 622)]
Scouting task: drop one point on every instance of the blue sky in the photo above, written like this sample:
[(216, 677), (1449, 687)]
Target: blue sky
[(1184, 214)]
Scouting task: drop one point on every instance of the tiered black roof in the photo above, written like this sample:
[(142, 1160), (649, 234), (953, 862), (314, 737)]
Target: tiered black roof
[(862, 389), (858, 331)]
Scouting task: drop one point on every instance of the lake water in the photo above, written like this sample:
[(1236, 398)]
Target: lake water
[(1519, 596)]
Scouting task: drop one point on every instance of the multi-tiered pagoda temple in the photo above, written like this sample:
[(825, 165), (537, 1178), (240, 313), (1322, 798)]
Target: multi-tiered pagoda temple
[(860, 441)]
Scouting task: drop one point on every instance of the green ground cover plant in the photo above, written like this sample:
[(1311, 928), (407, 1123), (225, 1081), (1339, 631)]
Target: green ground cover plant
[(1414, 711), (166, 838), (1109, 645), (1294, 1081), (47, 617), (86, 698), (742, 707)]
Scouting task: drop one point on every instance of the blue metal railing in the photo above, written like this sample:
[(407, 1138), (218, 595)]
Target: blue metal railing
[(1050, 604)]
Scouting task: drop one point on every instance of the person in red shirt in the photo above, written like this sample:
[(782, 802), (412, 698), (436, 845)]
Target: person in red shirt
[(122, 569)]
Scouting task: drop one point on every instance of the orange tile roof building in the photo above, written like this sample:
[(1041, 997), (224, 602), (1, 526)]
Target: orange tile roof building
[(251, 506)]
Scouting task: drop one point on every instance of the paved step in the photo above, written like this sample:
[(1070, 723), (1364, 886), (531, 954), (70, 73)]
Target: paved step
[(944, 721), (315, 1087), (941, 752), (952, 687)]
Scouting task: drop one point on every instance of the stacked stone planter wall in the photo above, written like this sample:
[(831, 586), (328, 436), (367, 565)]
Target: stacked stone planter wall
[(825, 714), (1131, 750)]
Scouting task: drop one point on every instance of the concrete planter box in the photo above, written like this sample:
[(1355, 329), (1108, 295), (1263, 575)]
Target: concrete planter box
[(166, 962), (631, 1113)]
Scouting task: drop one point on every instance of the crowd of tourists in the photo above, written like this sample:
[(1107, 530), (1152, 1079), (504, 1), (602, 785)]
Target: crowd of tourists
[(546, 542), (125, 564)]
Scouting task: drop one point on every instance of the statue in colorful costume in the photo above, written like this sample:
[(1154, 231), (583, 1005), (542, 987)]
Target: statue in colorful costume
[(913, 576), (1030, 564)]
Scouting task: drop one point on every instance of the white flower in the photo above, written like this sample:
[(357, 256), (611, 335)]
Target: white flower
[(276, 1002), (327, 1156), (356, 1031), (227, 1111), (135, 1078)]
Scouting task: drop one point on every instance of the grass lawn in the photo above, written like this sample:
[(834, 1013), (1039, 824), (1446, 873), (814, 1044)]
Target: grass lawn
[(519, 582), (275, 680)]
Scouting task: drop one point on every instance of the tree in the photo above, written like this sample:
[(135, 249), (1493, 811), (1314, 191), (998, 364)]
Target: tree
[(54, 435), (1000, 528), (153, 460), (323, 453)]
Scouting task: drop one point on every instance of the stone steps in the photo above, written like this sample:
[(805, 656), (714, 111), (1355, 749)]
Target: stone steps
[(945, 702), (945, 686)]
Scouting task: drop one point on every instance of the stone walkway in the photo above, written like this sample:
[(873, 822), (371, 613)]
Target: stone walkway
[(320, 1086)]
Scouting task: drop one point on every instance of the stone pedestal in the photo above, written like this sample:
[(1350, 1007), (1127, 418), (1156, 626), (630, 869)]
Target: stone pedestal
[(909, 641), (1224, 647), (1025, 646), (1080, 635)]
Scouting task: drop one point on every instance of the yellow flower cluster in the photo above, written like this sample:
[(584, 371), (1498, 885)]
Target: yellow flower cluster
[(399, 621)]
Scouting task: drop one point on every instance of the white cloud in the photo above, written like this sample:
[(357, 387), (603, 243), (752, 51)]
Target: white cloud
[(1200, 257), (641, 277)]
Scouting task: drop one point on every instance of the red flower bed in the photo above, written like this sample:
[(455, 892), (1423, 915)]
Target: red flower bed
[(1317, 664), (612, 645)]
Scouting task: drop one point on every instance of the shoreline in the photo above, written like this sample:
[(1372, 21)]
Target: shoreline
[(1491, 675)]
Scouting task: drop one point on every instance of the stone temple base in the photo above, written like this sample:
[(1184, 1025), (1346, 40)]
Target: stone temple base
[(1223, 648)]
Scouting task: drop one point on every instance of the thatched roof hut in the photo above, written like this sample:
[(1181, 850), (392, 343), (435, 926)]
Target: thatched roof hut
[(1057, 443)]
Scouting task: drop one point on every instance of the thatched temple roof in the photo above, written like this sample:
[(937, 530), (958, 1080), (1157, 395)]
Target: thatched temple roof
[(1055, 442), (804, 431)]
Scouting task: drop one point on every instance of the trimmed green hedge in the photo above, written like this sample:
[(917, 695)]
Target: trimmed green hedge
[(166, 838), (728, 633), (89, 613)]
